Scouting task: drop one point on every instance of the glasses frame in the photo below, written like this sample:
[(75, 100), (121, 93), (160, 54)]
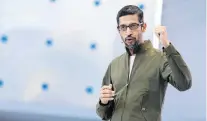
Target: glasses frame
[(130, 26)]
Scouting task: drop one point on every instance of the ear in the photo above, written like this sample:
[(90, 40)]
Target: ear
[(118, 29), (144, 27)]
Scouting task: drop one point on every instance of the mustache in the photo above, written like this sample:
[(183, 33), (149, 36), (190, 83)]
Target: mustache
[(132, 38)]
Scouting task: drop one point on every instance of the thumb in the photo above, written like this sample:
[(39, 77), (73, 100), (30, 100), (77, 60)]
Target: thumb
[(110, 86), (158, 35)]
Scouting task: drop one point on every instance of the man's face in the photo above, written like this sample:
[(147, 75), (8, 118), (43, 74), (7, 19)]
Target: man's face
[(133, 32)]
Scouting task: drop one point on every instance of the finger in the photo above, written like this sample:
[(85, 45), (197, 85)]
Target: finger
[(110, 86), (110, 98), (106, 96), (157, 31), (107, 99), (107, 91), (105, 87)]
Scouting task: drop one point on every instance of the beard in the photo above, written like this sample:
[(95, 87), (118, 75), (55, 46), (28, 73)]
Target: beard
[(131, 42)]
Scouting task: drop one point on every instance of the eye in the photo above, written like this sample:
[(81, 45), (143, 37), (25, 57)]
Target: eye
[(123, 27), (133, 26)]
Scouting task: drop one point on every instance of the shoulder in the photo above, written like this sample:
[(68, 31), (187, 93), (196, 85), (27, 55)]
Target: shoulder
[(157, 52), (119, 59)]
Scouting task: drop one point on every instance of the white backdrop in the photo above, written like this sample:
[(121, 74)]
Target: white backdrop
[(54, 53)]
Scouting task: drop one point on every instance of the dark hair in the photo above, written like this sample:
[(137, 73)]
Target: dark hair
[(130, 10)]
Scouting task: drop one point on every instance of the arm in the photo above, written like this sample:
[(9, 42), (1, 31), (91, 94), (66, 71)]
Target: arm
[(174, 70), (105, 110)]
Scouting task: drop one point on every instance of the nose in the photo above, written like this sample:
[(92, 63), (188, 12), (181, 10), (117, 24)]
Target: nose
[(128, 31)]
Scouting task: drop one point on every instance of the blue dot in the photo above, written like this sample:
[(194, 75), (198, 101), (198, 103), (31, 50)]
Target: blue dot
[(4, 39), (89, 90), (97, 2), (49, 42), (93, 46), (141, 6), (45, 86), (1, 83), (52, 0)]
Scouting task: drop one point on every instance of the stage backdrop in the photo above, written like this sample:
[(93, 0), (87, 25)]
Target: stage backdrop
[(54, 53)]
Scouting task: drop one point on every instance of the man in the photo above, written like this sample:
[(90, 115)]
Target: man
[(134, 85)]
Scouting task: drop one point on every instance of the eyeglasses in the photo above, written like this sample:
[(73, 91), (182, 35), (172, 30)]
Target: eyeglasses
[(132, 26)]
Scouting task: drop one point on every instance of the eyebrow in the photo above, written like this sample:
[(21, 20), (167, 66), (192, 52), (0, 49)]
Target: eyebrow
[(129, 24)]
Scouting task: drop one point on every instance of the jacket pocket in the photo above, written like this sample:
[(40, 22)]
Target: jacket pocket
[(149, 109), (144, 109)]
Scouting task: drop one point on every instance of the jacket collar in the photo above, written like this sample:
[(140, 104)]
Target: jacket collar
[(141, 48)]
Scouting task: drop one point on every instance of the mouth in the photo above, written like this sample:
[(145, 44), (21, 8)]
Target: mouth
[(129, 39)]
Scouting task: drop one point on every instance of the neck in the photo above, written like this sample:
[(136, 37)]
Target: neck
[(141, 41), (131, 51)]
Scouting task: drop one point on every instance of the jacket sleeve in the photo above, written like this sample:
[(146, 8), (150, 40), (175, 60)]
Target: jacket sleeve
[(105, 110), (174, 69)]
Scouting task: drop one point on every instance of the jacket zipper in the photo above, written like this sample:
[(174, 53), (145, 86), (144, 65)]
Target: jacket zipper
[(126, 91), (128, 80), (124, 103)]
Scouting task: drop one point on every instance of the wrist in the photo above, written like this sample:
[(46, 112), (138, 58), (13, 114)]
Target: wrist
[(166, 44), (103, 103)]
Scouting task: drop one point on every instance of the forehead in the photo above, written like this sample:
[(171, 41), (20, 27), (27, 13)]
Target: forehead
[(128, 19)]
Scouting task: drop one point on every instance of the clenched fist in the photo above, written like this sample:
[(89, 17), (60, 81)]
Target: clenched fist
[(161, 33), (106, 94)]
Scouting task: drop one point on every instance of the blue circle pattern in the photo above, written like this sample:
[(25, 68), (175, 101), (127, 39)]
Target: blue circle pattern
[(141, 6), (4, 38), (1, 83), (49, 42), (93, 46), (97, 2), (89, 90), (45, 86)]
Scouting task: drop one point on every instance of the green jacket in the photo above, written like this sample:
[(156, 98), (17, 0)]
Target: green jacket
[(140, 97)]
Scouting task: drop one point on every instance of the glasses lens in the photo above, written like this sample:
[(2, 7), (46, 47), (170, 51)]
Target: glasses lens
[(133, 26), (123, 27)]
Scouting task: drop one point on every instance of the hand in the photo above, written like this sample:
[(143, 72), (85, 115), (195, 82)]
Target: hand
[(106, 94), (161, 33)]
